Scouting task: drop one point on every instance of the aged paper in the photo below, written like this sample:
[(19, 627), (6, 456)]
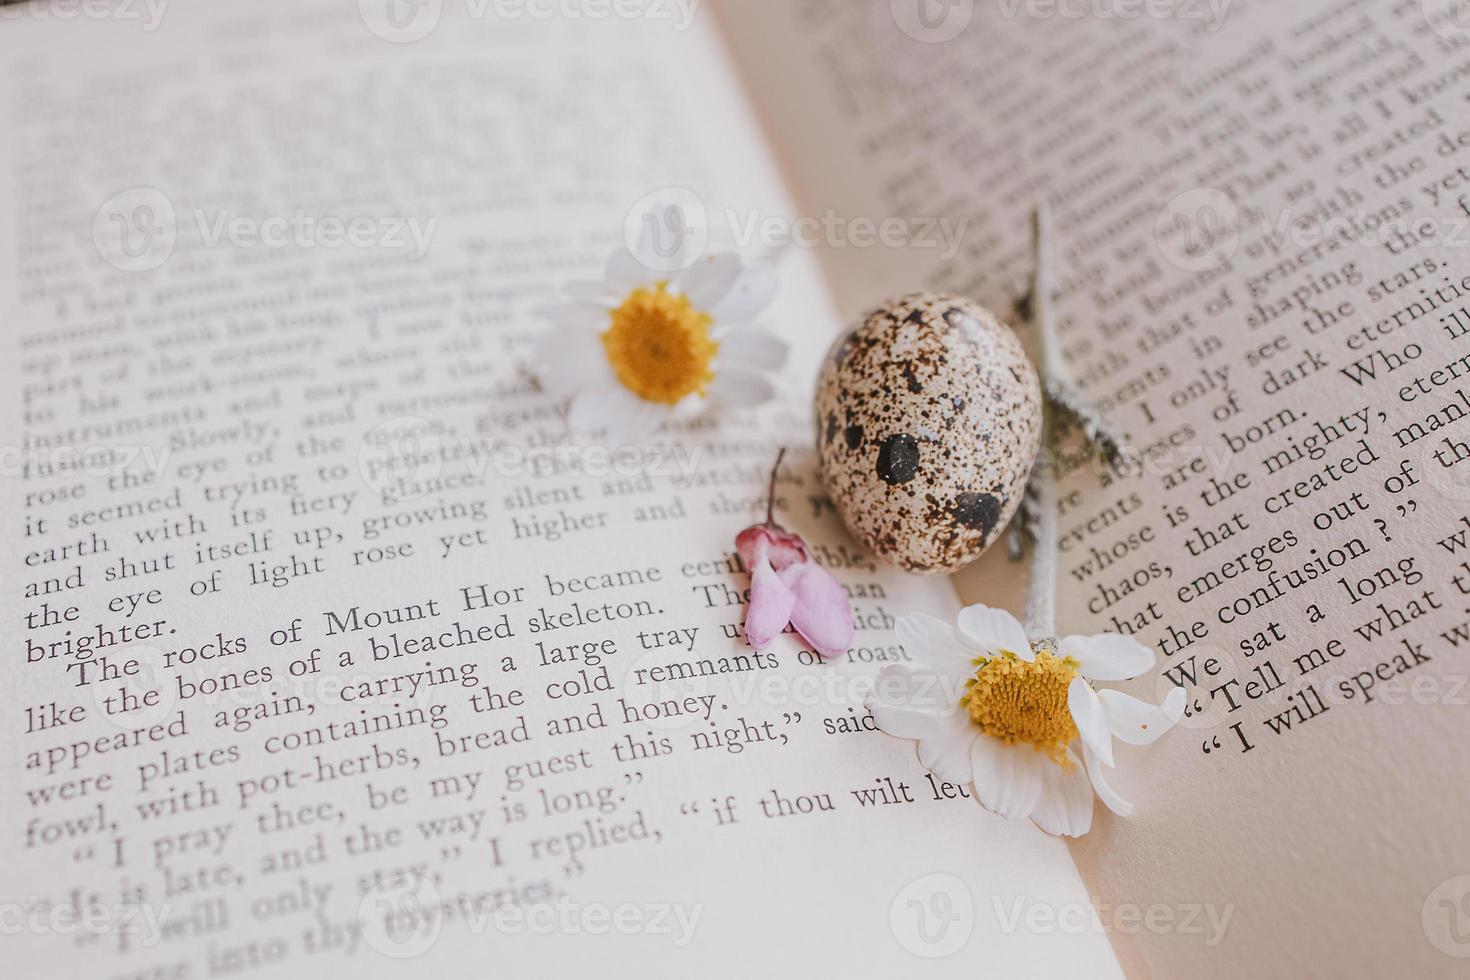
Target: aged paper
[(1262, 219), (328, 650)]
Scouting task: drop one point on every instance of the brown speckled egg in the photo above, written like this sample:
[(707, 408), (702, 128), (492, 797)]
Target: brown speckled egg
[(928, 425)]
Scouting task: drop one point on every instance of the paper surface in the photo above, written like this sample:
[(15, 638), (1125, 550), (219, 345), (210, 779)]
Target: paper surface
[(1261, 220), (328, 650)]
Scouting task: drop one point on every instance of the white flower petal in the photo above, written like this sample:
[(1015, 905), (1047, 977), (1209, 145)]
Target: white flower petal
[(1091, 718), (624, 273), (642, 420), (614, 411), (594, 409), (752, 292), (586, 317), (1138, 722), (591, 291), (994, 631), (709, 281), (566, 362), (903, 704), (1065, 806), (1007, 777), (938, 646), (918, 690), (908, 723), (666, 241), (1173, 706), (735, 388), (753, 348), (947, 754), (1105, 792), (1108, 657)]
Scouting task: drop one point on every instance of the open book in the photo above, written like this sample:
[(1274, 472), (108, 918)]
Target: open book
[(330, 650)]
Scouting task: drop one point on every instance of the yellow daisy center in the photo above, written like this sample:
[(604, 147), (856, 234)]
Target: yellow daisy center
[(659, 345), (1018, 702)]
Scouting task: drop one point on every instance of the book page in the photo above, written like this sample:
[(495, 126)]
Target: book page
[(328, 650), (1261, 212)]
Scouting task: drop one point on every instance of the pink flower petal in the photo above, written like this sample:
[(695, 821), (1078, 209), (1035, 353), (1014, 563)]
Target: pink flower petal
[(822, 613), (771, 602), (763, 541)]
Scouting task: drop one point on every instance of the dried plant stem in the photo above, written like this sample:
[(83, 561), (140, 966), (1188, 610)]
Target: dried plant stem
[(771, 495), (1041, 494), (1062, 393)]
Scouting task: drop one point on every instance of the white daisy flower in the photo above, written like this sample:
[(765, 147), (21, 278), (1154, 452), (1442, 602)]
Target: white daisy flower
[(990, 709), (640, 348)]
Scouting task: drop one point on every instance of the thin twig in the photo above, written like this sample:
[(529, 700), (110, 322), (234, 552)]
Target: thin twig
[(1110, 442), (1041, 601), (771, 498), (1062, 391)]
